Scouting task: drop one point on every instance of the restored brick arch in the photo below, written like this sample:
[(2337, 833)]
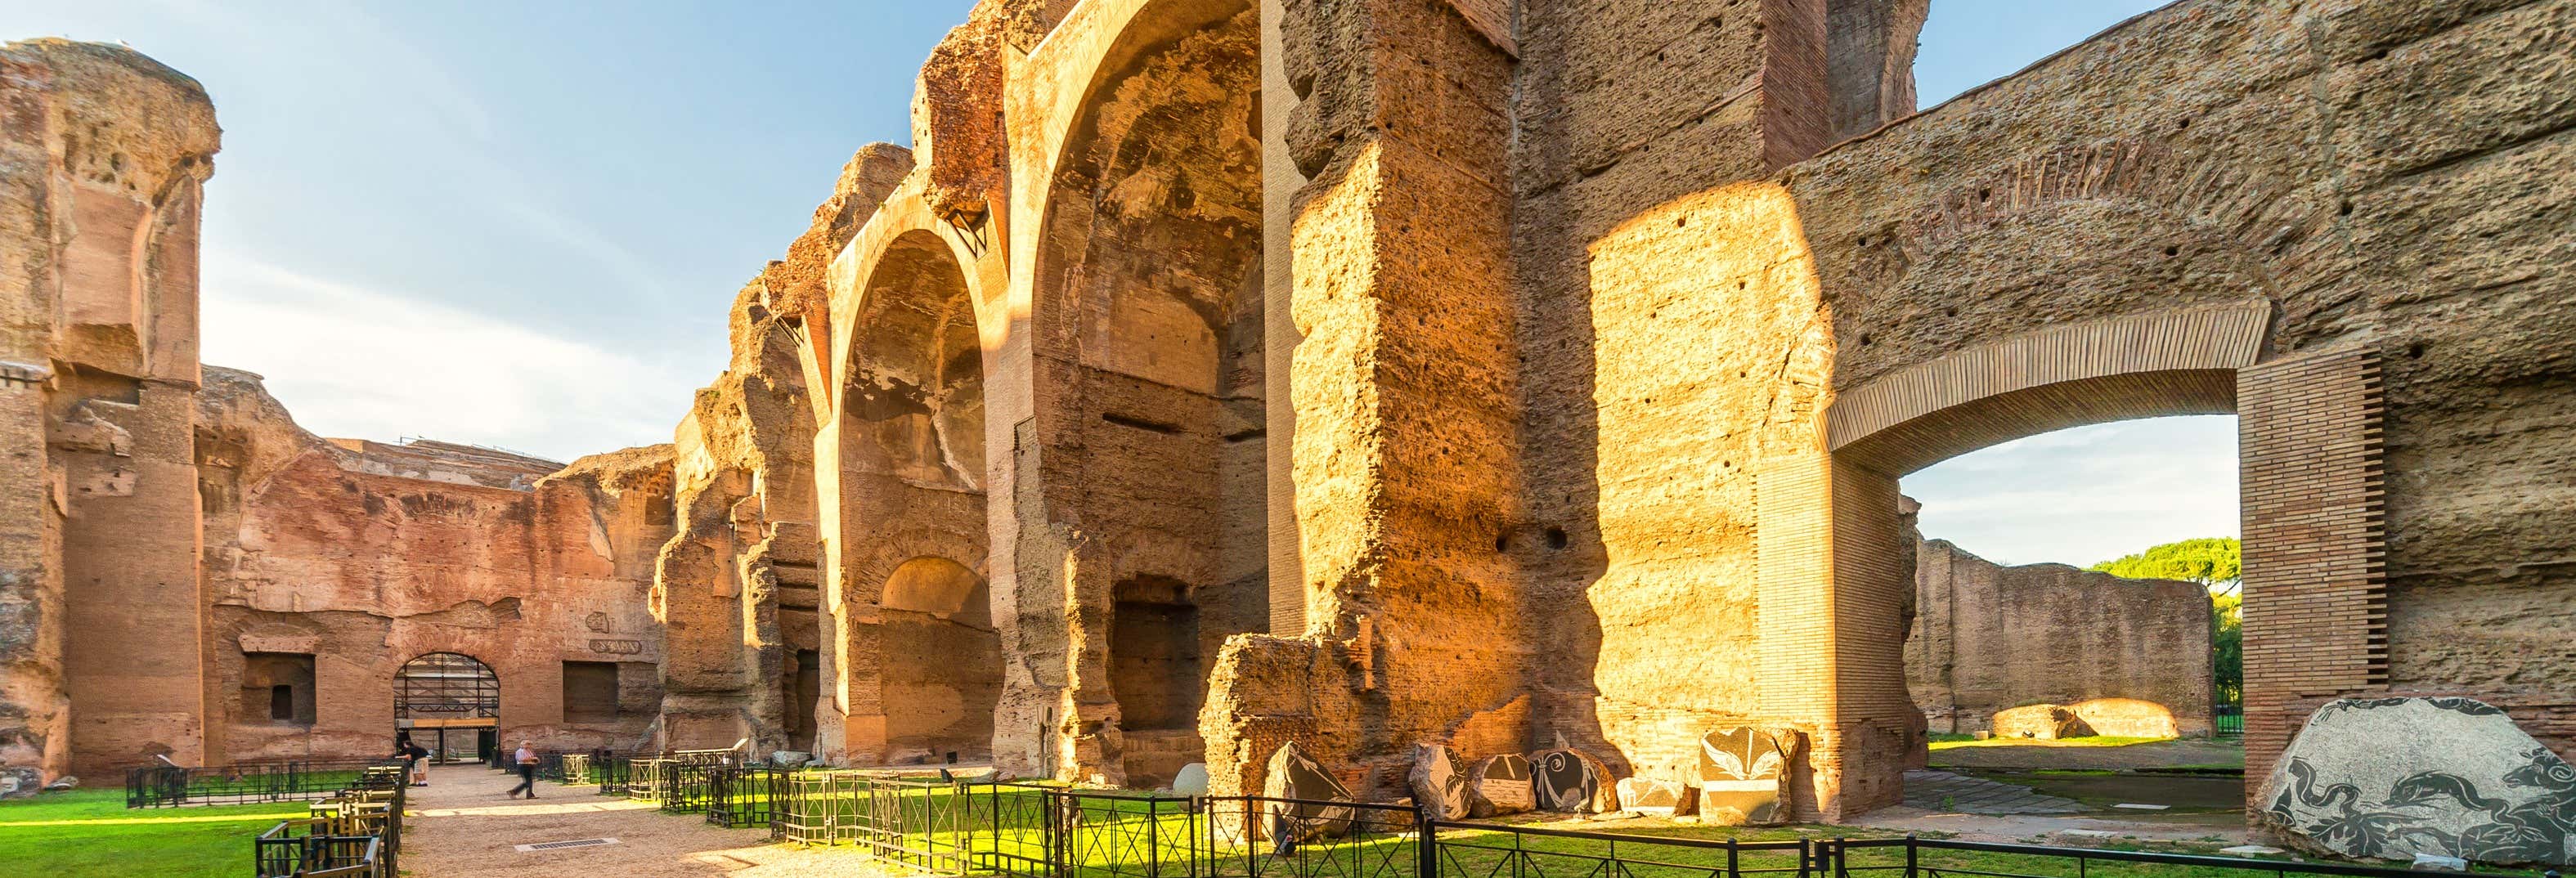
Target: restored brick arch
[(2309, 470)]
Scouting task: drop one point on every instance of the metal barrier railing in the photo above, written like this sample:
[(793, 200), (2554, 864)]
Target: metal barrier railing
[(1039, 831), (614, 774), (168, 786), (357, 834), (740, 797)]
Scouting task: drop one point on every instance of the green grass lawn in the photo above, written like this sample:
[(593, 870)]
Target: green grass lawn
[(90, 834), (1949, 741)]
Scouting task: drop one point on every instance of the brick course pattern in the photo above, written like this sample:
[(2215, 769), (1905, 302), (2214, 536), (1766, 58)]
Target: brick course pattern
[(2316, 592)]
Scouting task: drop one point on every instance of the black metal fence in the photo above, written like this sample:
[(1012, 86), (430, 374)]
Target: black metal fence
[(356, 834), (2228, 721), (170, 786), (740, 797), (1034, 831), (957, 827)]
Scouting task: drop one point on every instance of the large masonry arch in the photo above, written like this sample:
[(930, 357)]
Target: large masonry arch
[(2309, 473), (1146, 341), (908, 469)]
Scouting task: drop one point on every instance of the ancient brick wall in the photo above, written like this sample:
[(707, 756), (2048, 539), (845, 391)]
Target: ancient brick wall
[(736, 589), (309, 554), (1988, 637), (2215, 150), (1146, 358), (103, 153), (1405, 402)]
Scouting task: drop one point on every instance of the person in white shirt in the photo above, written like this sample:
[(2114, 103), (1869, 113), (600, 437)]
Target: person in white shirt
[(527, 772)]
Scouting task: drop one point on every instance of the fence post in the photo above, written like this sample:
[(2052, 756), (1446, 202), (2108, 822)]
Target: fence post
[(1426, 840), (1734, 862), (1051, 840)]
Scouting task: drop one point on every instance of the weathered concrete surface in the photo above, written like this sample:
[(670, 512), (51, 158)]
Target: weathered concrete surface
[(1989, 638), (103, 155)]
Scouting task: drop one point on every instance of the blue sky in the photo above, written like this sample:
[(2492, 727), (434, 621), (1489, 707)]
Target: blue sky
[(520, 223)]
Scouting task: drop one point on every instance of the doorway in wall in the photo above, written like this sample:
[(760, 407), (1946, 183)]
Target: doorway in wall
[(449, 703)]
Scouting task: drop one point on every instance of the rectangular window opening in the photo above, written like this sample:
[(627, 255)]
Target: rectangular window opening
[(589, 692)]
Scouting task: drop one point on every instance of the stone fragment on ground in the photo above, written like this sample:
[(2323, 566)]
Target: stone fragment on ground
[(1439, 782), (1192, 780), (1294, 775), (1502, 785), (2445, 776), (1571, 780), (1743, 775), (1662, 798)]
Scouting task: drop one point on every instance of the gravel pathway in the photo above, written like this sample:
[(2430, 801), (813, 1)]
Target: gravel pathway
[(463, 825)]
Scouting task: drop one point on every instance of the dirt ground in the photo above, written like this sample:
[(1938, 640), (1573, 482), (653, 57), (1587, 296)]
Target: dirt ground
[(464, 826)]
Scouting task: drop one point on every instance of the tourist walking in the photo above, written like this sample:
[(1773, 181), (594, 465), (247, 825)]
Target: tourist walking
[(527, 772)]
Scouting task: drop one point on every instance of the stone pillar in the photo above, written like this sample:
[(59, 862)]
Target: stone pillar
[(1404, 390), (1280, 182), (106, 152)]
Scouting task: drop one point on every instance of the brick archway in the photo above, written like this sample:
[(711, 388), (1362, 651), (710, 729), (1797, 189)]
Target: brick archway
[(1832, 584)]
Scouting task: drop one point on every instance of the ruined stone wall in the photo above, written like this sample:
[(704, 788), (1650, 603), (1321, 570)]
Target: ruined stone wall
[(103, 153), (1405, 406), (309, 554), (1149, 380), (1989, 637), (912, 493), (2377, 175), (1639, 237), (737, 590)]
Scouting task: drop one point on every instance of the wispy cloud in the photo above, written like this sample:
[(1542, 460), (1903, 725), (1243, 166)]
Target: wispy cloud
[(2087, 494), (383, 364)]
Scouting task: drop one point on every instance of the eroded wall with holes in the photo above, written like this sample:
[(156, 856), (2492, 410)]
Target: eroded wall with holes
[(103, 156), (2374, 174), (364, 557)]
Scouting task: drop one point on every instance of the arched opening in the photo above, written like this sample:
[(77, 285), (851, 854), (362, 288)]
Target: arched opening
[(2074, 598), (450, 704), (1150, 320), (2307, 464), (943, 663), (913, 512)]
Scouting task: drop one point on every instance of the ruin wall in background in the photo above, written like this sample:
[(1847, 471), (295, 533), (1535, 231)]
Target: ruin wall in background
[(1987, 637)]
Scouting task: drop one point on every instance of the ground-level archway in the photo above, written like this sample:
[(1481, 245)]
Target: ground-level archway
[(942, 662), (449, 703), (2308, 481)]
